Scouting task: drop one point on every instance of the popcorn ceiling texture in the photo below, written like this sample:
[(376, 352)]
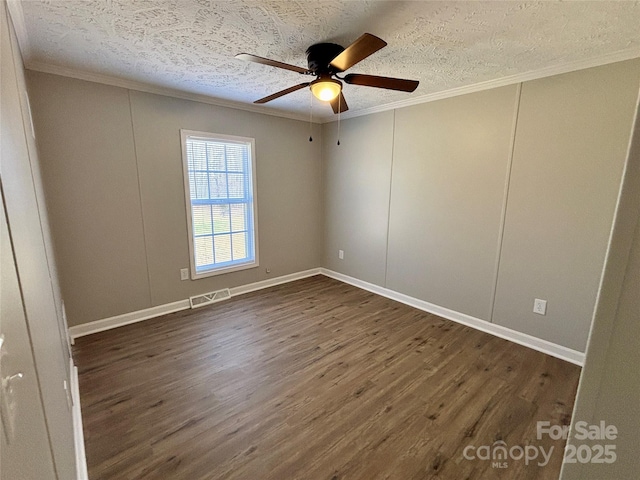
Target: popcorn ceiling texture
[(189, 45)]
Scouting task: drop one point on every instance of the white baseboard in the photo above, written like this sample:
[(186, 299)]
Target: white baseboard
[(126, 318), (78, 433), (272, 282), (520, 338), (157, 311)]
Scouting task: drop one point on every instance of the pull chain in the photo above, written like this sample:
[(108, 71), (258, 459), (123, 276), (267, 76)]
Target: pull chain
[(339, 113), (310, 117)]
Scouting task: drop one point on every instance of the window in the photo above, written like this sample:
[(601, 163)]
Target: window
[(219, 172)]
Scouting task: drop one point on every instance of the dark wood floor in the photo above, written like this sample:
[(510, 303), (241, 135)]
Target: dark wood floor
[(311, 380)]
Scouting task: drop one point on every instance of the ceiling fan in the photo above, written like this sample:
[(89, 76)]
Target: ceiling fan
[(327, 60)]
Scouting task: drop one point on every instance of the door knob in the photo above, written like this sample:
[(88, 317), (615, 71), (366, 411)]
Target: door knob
[(7, 400), (16, 376), (8, 405)]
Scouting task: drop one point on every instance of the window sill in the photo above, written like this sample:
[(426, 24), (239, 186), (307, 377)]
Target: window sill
[(222, 271)]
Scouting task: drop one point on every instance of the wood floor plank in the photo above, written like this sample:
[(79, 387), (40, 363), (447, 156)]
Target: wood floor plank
[(311, 380)]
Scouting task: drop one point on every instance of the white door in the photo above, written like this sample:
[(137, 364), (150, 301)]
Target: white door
[(24, 216), (25, 452)]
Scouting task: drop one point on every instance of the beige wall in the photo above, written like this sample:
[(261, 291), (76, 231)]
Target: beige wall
[(440, 201), (450, 162), (610, 385), (91, 182), (482, 221), (113, 179), (571, 143), (356, 201)]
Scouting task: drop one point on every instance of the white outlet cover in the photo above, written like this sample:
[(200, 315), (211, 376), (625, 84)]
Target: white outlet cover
[(184, 274), (540, 306), (341, 254)]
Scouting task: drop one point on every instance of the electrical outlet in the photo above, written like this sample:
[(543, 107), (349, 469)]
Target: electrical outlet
[(540, 306), (341, 254), (267, 270), (184, 274)]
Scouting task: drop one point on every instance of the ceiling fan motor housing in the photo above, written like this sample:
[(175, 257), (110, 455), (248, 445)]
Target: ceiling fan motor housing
[(320, 55)]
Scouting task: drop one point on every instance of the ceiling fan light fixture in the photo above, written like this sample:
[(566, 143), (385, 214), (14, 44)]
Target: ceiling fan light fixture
[(325, 89)]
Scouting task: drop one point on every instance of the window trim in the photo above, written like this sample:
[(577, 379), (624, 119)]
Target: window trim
[(184, 134)]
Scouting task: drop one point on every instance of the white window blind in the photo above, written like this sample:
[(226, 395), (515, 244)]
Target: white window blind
[(220, 194)]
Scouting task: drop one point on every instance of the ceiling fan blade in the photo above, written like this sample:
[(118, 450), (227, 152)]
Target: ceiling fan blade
[(357, 51), (282, 93), (339, 104), (273, 63), (382, 82)]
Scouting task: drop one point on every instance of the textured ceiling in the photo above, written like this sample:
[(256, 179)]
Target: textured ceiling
[(189, 45)]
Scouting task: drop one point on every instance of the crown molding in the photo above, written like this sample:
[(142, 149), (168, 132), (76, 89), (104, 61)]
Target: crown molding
[(17, 18), (613, 57), (168, 92)]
